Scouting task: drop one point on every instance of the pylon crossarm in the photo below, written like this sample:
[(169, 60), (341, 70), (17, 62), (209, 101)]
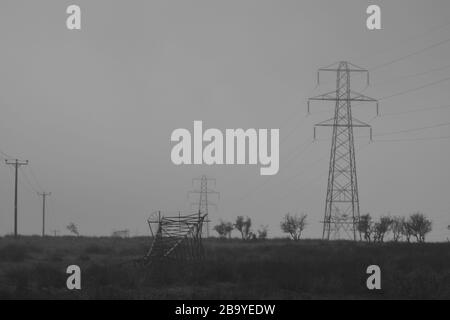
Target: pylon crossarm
[(199, 191), (204, 179), (330, 123), (357, 67), (337, 67), (334, 67), (324, 97), (359, 123), (334, 70), (356, 96), (332, 96)]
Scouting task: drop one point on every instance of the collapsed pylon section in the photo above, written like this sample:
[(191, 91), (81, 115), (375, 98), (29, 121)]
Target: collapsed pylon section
[(177, 237)]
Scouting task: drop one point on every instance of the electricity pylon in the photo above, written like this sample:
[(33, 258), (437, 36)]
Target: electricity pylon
[(342, 199), (203, 204), (175, 237)]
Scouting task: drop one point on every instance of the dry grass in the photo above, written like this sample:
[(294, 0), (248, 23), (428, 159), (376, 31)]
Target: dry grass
[(34, 268)]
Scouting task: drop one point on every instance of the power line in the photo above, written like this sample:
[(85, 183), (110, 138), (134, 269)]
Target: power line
[(28, 181), (383, 98), (21, 183), (383, 134), (404, 57), (308, 166), (407, 56), (286, 137), (390, 79), (33, 175), (401, 93), (270, 178), (5, 155), (389, 96), (406, 91), (415, 89), (299, 151), (413, 129), (322, 173), (413, 139), (311, 164), (414, 37), (414, 111)]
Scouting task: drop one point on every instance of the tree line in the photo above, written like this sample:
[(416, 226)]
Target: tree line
[(293, 225), (412, 228), (415, 227)]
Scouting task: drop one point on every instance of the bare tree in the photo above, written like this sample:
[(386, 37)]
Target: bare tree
[(262, 232), (398, 228), (243, 225), (294, 225), (365, 226), (72, 227), (381, 228), (407, 230), (224, 229), (420, 226)]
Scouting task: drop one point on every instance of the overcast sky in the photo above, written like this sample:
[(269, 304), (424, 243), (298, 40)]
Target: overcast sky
[(93, 110)]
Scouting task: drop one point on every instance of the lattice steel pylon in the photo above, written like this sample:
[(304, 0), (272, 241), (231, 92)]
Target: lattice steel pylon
[(176, 237), (203, 203), (342, 210)]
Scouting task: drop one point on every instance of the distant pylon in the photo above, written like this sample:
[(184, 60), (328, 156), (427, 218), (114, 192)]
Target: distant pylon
[(342, 199), (203, 204)]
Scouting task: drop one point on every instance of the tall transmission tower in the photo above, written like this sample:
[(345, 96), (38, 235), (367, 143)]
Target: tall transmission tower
[(203, 203), (342, 200), (16, 163), (44, 195)]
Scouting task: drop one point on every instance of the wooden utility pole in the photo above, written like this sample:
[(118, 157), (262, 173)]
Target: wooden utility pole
[(43, 195), (16, 163)]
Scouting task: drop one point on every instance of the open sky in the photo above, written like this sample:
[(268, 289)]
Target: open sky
[(93, 110)]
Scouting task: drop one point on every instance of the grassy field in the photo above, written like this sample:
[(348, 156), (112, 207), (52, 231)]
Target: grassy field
[(34, 268)]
